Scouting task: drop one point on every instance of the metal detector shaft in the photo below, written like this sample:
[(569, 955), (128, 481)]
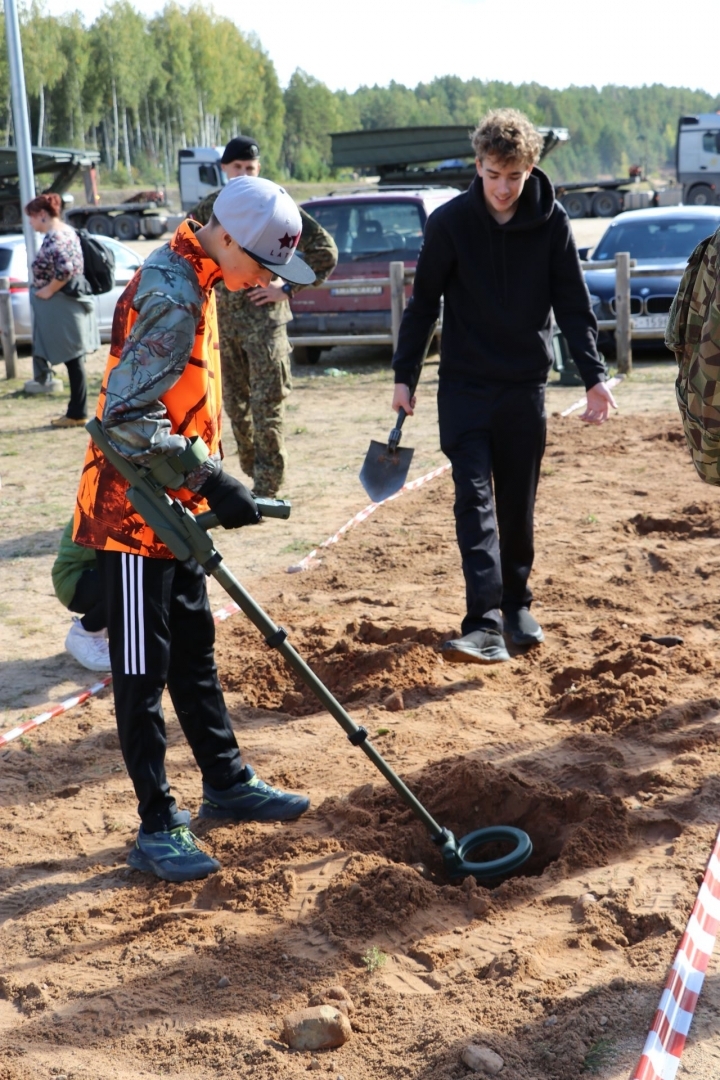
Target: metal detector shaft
[(186, 536), (276, 637)]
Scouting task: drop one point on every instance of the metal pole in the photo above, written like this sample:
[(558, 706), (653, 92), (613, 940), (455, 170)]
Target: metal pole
[(7, 329), (623, 331), (397, 298), (21, 124)]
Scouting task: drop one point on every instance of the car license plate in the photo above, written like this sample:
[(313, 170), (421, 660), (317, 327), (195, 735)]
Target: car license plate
[(357, 290), (649, 322)]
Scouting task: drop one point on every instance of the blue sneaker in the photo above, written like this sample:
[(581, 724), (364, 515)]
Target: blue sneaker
[(252, 800), (172, 855)]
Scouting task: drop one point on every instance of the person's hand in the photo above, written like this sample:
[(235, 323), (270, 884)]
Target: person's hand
[(599, 403), (45, 293), (269, 294), (230, 501), (402, 400)]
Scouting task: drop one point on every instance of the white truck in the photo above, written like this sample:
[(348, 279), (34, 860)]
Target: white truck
[(199, 174), (697, 158)]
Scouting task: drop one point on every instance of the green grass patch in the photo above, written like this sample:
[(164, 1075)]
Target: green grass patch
[(600, 1053)]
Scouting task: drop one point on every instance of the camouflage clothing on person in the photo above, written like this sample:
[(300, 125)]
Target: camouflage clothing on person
[(255, 358), (693, 334)]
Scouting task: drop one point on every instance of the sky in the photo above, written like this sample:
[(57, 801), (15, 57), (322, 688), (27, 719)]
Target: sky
[(554, 42)]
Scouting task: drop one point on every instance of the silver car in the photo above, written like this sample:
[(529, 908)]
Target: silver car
[(13, 265)]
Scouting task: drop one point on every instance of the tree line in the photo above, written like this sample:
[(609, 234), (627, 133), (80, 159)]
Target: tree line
[(137, 89)]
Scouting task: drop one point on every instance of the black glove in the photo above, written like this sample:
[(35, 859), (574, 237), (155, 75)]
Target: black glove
[(230, 501)]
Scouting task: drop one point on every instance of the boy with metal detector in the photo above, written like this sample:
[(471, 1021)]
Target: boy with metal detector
[(159, 409), (503, 258)]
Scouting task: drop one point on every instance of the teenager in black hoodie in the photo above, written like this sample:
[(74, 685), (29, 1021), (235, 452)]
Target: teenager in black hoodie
[(502, 257)]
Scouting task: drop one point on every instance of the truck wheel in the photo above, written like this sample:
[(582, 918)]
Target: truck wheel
[(606, 204), (100, 225), (701, 195), (306, 354), (127, 227), (576, 204)]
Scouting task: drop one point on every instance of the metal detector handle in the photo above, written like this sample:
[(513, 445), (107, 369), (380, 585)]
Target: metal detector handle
[(271, 508)]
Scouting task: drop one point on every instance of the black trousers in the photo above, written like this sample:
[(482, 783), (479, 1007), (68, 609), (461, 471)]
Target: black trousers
[(89, 601), (77, 406), (494, 436), (161, 633)]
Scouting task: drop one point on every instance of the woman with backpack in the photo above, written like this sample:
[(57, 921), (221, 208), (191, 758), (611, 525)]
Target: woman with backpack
[(64, 320)]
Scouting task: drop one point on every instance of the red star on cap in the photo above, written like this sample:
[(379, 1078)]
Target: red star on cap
[(288, 241)]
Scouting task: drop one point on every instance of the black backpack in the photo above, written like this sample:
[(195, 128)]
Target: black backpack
[(99, 263)]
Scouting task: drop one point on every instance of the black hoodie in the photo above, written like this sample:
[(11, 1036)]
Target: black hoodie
[(500, 283)]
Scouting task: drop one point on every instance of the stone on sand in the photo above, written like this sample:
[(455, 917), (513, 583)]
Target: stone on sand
[(316, 1028)]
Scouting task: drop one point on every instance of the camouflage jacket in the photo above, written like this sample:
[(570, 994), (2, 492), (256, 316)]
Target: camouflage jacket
[(693, 334), (320, 253)]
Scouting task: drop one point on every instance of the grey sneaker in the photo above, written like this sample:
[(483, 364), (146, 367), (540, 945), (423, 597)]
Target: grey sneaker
[(522, 628), (52, 386), (477, 647)]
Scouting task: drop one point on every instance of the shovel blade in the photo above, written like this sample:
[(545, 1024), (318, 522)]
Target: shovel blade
[(384, 472)]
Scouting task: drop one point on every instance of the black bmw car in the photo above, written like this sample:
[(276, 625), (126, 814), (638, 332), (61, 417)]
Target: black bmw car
[(657, 239)]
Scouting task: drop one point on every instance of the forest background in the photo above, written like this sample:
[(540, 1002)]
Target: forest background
[(138, 89)]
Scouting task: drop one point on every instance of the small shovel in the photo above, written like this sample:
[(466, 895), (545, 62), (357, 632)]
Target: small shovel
[(386, 466)]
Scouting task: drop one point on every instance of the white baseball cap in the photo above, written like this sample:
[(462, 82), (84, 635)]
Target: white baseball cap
[(263, 219)]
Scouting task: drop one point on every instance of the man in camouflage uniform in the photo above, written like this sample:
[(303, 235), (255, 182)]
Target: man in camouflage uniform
[(693, 334), (254, 347)]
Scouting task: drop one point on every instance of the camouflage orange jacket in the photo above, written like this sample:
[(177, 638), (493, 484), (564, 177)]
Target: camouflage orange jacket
[(161, 387)]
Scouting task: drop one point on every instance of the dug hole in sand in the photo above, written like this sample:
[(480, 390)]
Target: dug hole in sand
[(604, 748)]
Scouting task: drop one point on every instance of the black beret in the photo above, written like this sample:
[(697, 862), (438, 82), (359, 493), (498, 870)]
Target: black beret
[(241, 148)]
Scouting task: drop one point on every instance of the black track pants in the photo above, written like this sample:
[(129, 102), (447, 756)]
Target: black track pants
[(161, 633), (494, 436)]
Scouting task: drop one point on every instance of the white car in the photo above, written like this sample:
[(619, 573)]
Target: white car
[(13, 265)]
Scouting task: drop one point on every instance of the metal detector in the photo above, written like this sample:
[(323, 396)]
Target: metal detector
[(185, 534)]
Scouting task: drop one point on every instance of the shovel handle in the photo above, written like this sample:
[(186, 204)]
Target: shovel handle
[(395, 434)]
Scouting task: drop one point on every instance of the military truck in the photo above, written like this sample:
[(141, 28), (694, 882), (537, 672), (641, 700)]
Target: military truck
[(405, 156), (443, 155), (56, 169)]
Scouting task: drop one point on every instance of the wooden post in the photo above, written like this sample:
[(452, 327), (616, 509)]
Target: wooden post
[(7, 329), (397, 298), (623, 332)]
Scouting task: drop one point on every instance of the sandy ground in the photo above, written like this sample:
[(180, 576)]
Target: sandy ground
[(603, 747)]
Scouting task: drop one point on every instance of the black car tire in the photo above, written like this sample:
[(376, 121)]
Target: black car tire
[(306, 354), (577, 205), (100, 225), (701, 195), (606, 204)]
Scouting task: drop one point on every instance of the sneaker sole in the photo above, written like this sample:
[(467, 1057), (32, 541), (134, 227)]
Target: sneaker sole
[(139, 861), (219, 813), (525, 639), (468, 656)]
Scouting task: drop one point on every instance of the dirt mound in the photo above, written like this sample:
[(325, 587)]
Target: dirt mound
[(695, 520), (361, 662)]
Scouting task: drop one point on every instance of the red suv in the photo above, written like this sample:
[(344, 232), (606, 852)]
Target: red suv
[(371, 230)]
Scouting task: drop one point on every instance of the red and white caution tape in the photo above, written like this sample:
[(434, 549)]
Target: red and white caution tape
[(666, 1039), (362, 515), (583, 400), (69, 703)]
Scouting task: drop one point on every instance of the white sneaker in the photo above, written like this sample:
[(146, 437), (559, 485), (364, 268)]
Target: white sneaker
[(90, 648), (52, 386)]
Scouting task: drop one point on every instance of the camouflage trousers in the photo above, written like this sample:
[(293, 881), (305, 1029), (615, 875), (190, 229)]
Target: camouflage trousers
[(256, 381)]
